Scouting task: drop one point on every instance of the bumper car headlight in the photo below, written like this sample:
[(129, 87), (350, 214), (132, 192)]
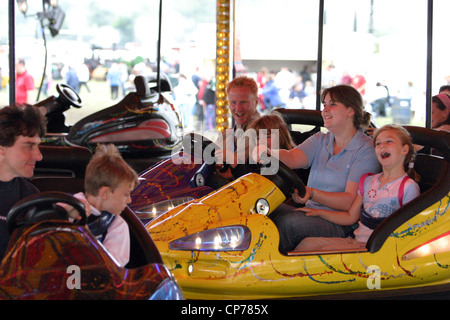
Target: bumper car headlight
[(157, 209), (230, 238), (437, 245)]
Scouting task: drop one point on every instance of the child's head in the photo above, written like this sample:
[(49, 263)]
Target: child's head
[(391, 138), (271, 122), (108, 176)]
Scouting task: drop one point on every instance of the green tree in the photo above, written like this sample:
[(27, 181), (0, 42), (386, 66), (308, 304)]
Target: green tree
[(125, 25)]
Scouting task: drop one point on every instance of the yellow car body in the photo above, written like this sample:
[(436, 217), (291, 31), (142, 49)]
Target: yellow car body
[(409, 252), (261, 272)]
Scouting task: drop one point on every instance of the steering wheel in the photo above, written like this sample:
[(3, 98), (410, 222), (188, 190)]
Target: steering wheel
[(284, 178), (192, 140), (43, 206), (68, 96)]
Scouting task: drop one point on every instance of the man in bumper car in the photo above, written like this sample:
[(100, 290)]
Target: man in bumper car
[(21, 129), (243, 100)]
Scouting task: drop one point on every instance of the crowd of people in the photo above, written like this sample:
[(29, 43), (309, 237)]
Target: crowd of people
[(285, 88), (196, 96), (195, 92), (77, 76)]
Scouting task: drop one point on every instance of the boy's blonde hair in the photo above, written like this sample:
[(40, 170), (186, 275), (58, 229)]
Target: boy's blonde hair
[(107, 168)]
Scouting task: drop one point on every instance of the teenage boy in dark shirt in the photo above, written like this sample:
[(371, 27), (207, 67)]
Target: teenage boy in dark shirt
[(21, 129)]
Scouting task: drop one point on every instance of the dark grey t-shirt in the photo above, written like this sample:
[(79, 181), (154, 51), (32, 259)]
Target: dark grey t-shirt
[(10, 193)]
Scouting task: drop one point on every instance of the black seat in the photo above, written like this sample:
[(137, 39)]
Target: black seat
[(430, 169), (142, 84), (70, 161), (63, 184), (61, 169)]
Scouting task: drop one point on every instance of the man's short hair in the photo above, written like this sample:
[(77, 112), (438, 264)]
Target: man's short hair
[(107, 168), (20, 120), (244, 82)]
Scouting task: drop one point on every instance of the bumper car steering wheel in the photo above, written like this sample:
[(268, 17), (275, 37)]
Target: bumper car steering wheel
[(68, 96), (285, 179), (41, 207)]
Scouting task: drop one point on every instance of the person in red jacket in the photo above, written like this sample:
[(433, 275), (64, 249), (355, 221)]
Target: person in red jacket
[(24, 84)]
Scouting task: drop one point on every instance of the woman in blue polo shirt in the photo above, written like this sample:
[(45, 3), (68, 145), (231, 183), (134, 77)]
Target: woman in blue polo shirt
[(337, 160)]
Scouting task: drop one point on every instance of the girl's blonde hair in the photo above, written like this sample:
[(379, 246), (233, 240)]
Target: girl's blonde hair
[(405, 138), (107, 168)]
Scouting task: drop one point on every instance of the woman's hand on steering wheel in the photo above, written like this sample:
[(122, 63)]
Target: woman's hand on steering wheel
[(302, 200)]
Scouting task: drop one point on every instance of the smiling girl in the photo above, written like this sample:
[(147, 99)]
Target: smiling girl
[(379, 194)]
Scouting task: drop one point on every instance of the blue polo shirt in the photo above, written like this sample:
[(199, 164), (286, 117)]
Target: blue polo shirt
[(331, 172)]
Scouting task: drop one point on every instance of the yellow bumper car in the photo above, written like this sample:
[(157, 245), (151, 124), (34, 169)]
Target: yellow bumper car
[(225, 246)]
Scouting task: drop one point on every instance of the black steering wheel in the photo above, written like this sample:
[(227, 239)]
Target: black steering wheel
[(196, 144), (68, 96), (200, 146), (283, 177), (41, 207)]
